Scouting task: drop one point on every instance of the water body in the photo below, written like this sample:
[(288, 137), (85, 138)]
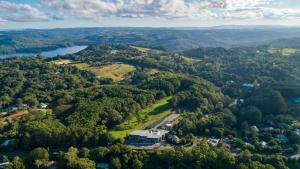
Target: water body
[(52, 53), (297, 100)]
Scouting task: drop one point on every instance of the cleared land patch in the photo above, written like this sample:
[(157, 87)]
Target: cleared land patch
[(143, 49), (284, 51), (14, 116), (62, 62), (116, 71), (149, 116)]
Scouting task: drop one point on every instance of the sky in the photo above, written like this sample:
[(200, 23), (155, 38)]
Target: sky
[(43, 14)]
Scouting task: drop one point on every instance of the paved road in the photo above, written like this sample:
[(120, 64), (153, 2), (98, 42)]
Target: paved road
[(166, 120)]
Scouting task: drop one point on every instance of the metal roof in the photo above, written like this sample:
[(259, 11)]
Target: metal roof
[(149, 133)]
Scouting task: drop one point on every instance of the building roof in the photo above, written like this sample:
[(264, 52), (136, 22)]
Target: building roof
[(255, 128), (43, 105), (213, 141), (149, 133), (5, 143), (281, 137), (250, 85), (102, 165)]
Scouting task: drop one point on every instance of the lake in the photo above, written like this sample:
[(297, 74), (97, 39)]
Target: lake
[(52, 53)]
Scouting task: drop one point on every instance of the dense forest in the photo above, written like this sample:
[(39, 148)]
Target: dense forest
[(65, 109)]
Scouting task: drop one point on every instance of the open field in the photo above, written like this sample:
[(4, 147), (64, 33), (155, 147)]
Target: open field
[(150, 115), (288, 51), (116, 71), (284, 51), (191, 60), (62, 62), (143, 49)]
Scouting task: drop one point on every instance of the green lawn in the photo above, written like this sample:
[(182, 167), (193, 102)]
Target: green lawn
[(288, 51), (143, 49), (116, 71), (156, 112), (284, 51)]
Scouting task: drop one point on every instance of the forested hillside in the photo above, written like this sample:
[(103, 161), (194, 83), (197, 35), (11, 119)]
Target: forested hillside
[(244, 98), (174, 39)]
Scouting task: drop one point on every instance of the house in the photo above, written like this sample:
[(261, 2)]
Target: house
[(240, 102), (102, 166), (248, 85), (263, 144), (213, 142), (113, 52), (281, 137), (43, 105), (147, 136), (5, 143), (268, 129), (52, 165), (255, 128)]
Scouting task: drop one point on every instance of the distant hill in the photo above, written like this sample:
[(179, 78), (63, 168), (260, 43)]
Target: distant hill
[(284, 43), (173, 39)]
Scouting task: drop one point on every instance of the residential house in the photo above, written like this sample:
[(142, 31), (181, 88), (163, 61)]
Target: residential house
[(213, 141), (52, 165), (268, 129), (255, 128), (43, 105), (248, 85), (263, 144)]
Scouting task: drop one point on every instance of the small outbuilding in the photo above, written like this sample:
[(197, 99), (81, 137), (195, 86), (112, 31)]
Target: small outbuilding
[(102, 166), (43, 105)]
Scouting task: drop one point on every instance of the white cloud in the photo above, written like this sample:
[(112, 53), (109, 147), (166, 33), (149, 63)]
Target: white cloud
[(199, 9), (19, 12)]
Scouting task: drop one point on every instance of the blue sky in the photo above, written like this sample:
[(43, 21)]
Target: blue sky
[(19, 14)]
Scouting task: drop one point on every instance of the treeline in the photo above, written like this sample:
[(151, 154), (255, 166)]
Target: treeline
[(122, 157)]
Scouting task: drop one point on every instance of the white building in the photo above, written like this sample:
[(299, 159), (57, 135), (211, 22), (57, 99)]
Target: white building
[(213, 141), (43, 105), (147, 136)]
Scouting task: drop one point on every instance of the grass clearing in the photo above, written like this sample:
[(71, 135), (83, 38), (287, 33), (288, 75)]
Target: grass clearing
[(191, 60), (288, 51), (152, 71), (116, 71), (150, 115), (62, 62), (143, 49), (284, 51)]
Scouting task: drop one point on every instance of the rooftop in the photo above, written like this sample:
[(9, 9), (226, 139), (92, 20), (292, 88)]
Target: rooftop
[(150, 133)]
